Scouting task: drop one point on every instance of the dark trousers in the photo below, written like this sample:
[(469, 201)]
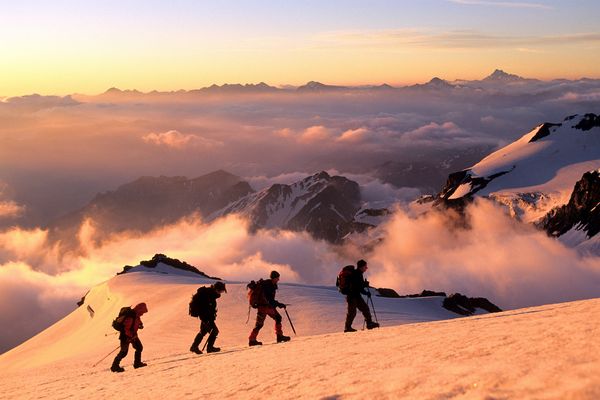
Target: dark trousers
[(136, 344), (261, 315), (206, 326), (356, 302)]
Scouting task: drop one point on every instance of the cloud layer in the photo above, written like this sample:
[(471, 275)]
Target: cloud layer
[(57, 153), (511, 263)]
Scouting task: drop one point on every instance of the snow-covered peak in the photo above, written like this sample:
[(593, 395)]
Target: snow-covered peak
[(545, 159), (320, 204), (162, 264), (500, 76), (549, 177), (313, 86)]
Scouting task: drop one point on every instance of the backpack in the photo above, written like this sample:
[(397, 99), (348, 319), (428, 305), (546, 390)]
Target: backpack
[(256, 295), (197, 302), (125, 312), (343, 280)]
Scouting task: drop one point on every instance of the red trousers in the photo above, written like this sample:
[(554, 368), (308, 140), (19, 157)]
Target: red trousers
[(261, 315)]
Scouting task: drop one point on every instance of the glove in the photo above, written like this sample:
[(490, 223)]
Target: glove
[(369, 294), (367, 283), (280, 305)]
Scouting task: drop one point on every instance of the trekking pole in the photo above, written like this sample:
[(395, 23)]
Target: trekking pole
[(205, 343), (289, 319), (103, 358), (372, 305)]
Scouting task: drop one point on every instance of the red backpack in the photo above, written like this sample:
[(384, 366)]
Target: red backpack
[(119, 322), (256, 295), (344, 279)]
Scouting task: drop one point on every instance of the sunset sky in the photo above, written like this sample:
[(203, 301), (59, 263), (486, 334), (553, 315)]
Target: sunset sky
[(63, 47)]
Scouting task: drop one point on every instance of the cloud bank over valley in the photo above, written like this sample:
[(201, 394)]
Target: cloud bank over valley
[(56, 153)]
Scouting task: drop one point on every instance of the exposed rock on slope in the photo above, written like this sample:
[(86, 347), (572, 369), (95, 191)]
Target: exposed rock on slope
[(581, 212), (171, 262), (322, 205)]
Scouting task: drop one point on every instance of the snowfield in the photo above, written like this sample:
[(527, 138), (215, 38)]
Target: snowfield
[(422, 351)]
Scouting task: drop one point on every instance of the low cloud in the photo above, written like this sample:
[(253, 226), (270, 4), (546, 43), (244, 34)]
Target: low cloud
[(30, 301), (354, 135), (510, 263), (178, 140), (44, 284), (434, 131), (10, 209), (446, 134), (262, 182), (36, 102), (314, 135), (580, 97)]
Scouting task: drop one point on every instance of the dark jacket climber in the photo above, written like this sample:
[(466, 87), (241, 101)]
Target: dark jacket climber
[(208, 315), (358, 287), (269, 287), (128, 335)]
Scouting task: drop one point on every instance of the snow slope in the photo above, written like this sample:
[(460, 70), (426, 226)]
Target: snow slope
[(537, 172), (544, 352), (86, 333)]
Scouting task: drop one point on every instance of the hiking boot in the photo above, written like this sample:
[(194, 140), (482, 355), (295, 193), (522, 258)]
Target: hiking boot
[(350, 329), (371, 325), (282, 338), (213, 349), (117, 368), (254, 343), (195, 349), (139, 365)]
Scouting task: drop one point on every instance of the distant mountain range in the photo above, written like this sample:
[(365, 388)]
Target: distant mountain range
[(496, 80)]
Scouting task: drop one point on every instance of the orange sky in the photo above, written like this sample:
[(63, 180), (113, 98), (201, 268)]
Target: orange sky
[(79, 47)]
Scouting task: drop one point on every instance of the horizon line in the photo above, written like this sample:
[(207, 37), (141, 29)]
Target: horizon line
[(291, 87)]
